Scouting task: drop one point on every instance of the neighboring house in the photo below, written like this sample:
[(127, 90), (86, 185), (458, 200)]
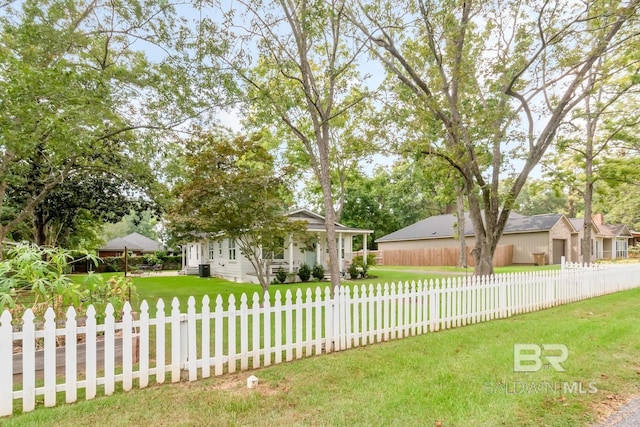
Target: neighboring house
[(135, 243), (551, 236), (609, 241), (225, 260)]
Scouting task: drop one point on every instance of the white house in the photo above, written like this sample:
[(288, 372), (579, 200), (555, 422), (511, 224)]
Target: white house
[(225, 260)]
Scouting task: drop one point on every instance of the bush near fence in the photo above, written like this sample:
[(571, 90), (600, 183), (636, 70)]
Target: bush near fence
[(116, 264), (233, 335)]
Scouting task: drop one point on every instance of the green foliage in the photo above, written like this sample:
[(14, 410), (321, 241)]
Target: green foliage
[(353, 271), (86, 116), (371, 260), (358, 261), (232, 187), (281, 275), (304, 272), (115, 290), (395, 197), (111, 264), (31, 277), (133, 222), (151, 259), (318, 272), (28, 269)]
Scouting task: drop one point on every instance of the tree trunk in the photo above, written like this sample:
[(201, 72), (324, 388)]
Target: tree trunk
[(591, 124), (40, 234), (330, 227), (462, 261), (483, 257), (588, 201)]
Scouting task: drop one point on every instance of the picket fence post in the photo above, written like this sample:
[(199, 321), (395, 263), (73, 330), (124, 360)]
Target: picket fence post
[(192, 351), (143, 379), (6, 364), (218, 337), (109, 350), (91, 363), (205, 333), (49, 358), (231, 336), (160, 370)]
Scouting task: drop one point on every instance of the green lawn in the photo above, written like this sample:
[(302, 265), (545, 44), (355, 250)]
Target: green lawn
[(153, 287), (459, 377)]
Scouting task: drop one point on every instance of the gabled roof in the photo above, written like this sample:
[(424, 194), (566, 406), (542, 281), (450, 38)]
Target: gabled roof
[(443, 226), (133, 242), (604, 230), (315, 222), (524, 224), (615, 230)]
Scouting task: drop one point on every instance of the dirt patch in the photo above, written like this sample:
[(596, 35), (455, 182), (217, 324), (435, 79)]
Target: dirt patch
[(238, 384), (604, 410)]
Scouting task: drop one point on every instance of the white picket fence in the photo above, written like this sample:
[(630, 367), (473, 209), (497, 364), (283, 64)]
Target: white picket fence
[(229, 337)]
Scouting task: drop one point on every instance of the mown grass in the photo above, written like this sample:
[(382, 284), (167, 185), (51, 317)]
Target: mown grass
[(152, 287), (459, 377)]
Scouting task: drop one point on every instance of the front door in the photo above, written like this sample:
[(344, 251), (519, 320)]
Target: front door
[(194, 254), (310, 258)]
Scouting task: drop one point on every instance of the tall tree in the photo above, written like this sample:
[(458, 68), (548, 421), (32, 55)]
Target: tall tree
[(543, 196), (302, 83), (493, 81), (78, 92), (605, 122), (397, 196), (231, 190)]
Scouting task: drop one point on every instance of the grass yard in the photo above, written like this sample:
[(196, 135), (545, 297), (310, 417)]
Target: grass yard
[(166, 287), (459, 377)]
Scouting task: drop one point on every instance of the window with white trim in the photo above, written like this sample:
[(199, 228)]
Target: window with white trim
[(232, 249)]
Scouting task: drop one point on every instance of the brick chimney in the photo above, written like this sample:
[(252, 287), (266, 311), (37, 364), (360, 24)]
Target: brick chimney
[(598, 219)]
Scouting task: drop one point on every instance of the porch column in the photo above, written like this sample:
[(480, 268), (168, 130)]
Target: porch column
[(340, 260), (364, 249), (183, 250), (291, 254), (319, 248)]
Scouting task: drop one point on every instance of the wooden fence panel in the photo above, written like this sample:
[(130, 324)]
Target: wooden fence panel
[(439, 257)]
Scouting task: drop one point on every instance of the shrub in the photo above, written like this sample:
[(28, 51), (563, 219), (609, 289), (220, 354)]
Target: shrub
[(358, 261), (151, 259), (281, 275), (353, 271), (318, 272), (371, 260), (304, 272), (116, 290), (42, 272)]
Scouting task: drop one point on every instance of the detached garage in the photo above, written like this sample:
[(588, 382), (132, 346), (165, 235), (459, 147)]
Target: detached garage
[(547, 236)]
